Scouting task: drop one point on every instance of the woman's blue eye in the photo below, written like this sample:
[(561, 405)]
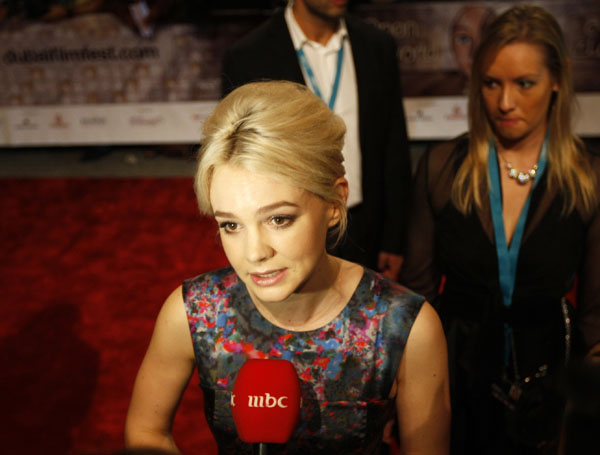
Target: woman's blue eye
[(525, 83), (464, 40)]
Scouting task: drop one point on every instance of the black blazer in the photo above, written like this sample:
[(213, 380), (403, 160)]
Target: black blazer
[(268, 53)]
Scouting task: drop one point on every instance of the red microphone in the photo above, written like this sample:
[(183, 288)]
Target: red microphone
[(266, 401)]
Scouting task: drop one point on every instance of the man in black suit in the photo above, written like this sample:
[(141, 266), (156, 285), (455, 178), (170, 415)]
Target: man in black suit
[(363, 71)]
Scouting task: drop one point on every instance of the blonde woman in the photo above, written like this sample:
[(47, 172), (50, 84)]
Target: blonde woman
[(364, 347), (504, 220)]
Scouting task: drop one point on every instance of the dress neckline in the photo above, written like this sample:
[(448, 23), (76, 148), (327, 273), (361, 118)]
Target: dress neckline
[(247, 306)]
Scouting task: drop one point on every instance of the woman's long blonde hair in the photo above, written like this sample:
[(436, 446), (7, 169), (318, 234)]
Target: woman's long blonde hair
[(277, 128), (567, 168)]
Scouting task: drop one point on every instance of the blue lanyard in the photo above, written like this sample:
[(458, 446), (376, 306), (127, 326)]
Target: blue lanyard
[(508, 255), (311, 75)]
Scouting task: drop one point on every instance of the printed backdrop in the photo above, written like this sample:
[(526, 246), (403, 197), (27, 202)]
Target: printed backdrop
[(101, 78)]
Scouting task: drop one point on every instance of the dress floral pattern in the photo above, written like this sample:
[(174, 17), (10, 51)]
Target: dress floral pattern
[(346, 368)]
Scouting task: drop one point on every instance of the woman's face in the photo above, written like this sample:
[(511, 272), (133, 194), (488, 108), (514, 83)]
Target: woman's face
[(466, 36), (517, 89), (273, 234)]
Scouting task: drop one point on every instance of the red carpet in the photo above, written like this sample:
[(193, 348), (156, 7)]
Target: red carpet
[(86, 264)]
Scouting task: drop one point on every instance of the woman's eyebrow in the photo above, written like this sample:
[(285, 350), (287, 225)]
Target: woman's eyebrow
[(266, 208)]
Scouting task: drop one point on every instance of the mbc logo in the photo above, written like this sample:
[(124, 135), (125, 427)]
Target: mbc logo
[(263, 401)]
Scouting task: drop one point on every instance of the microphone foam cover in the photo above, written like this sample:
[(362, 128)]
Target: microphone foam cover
[(266, 401)]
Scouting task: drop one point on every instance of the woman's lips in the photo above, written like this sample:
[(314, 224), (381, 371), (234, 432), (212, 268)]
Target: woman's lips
[(508, 121), (268, 278)]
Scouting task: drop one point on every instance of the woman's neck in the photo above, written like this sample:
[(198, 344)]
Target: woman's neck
[(523, 153), (319, 300)]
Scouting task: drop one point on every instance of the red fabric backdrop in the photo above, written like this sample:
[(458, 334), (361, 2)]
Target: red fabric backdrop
[(86, 265)]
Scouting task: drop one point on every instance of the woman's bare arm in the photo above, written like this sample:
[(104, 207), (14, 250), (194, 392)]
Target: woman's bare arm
[(161, 380), (422, 388)]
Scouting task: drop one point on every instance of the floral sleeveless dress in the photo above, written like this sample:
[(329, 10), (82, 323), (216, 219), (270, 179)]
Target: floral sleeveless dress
[(346, 368)]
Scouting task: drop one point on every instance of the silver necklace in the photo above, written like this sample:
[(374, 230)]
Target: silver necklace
[(521, 177)]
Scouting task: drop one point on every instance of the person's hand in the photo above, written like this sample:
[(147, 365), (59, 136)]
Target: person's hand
[(593, 355), (390, 264), (390, 433)]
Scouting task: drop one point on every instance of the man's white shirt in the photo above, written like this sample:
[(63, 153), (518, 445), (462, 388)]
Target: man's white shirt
[(323, 62)]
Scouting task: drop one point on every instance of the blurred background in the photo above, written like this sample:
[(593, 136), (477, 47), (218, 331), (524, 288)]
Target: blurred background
[(101, 107)]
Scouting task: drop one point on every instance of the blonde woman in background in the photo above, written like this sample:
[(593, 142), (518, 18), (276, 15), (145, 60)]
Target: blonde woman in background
[(508, 215)]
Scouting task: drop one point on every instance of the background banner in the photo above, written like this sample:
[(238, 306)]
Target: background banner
[(107, 72), (436, 42)]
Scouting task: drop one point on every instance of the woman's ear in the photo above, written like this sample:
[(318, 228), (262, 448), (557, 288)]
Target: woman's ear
[(341, 188)]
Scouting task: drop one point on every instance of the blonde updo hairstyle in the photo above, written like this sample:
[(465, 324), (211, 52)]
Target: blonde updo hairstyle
[(280, 129)]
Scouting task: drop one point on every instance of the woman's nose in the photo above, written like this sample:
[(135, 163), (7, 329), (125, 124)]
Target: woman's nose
[(507, 99), (258, 248)]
